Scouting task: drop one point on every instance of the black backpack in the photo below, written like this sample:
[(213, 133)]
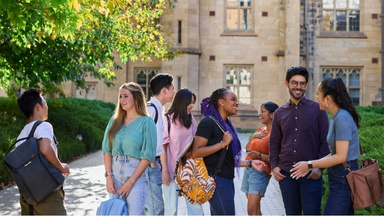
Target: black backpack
[(35, 177)]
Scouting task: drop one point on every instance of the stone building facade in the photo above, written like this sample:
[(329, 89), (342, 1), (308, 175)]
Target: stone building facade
[(247, 46)]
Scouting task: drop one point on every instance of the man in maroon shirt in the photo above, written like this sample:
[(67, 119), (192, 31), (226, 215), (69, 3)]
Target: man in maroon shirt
[(299, 132)]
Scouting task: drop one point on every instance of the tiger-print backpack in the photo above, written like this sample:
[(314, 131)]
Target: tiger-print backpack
[(192, 177)]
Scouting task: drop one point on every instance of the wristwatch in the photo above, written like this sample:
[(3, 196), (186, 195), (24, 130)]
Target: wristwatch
[(107, 173), (310, 165)]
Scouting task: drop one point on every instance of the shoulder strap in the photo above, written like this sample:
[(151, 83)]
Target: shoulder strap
[(223, 152), (37, 123), (156, 115), (169, 124)]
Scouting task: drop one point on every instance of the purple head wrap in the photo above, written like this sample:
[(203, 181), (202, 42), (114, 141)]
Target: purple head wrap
[(208, 109)]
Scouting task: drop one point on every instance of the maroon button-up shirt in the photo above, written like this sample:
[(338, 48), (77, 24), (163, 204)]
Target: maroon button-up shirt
[(299, 133)]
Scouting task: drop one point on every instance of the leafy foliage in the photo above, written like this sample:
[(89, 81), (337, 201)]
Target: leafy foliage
[(43, 43)]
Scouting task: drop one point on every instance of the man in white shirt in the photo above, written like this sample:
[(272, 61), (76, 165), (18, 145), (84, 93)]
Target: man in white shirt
[(163, 91), (35, 108)]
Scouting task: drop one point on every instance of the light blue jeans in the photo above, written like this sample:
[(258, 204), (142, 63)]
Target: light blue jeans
[(154, 204), (171, 198), (122, 169)]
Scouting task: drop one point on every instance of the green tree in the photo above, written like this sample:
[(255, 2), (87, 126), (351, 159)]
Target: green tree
[(46, 42)]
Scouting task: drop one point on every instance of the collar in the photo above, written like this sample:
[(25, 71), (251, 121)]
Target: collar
[(303, 100), (156, 102)]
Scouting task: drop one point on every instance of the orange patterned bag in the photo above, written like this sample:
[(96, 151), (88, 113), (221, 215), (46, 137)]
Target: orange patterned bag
[(193, 180)]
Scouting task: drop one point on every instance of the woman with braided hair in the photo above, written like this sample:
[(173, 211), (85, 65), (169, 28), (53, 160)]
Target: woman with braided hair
[(209, 143)]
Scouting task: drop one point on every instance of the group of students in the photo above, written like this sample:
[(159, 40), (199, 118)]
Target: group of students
[(143, 141)]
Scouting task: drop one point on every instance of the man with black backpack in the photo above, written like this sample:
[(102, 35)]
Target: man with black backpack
[(163, 91), (35, 108)]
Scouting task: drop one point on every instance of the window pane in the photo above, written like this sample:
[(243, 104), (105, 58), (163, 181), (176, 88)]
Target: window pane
[(341, 21), (245, 18), (141, 78), (354, 4), (341, 4), (342, 76), (354, 21), (327, 74), (151, 74), (232, 18), (328, 4), (232, 3), (245, 3), (355, 95), (232, 77), (245, 77), (328, 20), (354, 79), (244, 94)]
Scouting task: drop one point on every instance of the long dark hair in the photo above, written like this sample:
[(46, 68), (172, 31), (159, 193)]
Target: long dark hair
[(335, 88), (179, 106), (209, 107)]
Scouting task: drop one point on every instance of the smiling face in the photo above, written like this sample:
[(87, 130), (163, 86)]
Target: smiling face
[(265, 116), (190, 106), (229, 104), (296, 87), (126, 99), (320, 98)]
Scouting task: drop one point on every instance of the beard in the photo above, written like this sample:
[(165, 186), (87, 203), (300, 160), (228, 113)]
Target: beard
[(297, 95)]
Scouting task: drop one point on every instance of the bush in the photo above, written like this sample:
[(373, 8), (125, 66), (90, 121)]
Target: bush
[(69, 117)]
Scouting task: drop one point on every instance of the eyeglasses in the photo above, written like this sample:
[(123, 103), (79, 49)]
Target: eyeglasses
[(295, 84), (262, 111)]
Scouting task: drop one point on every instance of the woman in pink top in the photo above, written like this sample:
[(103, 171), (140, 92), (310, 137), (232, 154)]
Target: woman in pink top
[(179, 129)]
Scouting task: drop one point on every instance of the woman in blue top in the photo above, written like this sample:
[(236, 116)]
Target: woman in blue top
[(129, 145), (343, 141)]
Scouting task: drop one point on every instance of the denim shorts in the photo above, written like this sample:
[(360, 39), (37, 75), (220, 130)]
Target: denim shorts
[(254, 182)]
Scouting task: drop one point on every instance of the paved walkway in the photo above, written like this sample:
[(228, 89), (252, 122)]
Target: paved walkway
[(85, 189)]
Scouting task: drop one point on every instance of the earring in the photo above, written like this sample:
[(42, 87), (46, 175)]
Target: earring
[(327, 105), (222, 104)]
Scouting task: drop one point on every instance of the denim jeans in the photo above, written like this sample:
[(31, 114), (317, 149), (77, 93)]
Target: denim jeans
[(301, 196), (154, 204), (223, 200), (171, 201), (339, 199), (122, 169)]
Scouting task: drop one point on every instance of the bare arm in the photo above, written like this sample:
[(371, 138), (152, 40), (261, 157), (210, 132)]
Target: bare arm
[(164, 164), (127, 186), (110, 184), (200, 148), (48, 152), (301, 169)]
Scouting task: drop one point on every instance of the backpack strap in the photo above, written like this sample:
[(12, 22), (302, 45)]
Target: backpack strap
[(37, 123), (157, 114), (169, 124), (223, 151)]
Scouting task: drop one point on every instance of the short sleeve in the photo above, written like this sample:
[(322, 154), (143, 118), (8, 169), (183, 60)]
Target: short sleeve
[(105, 143), (343, 128), (204, 129), (148, 150), (166, 138)]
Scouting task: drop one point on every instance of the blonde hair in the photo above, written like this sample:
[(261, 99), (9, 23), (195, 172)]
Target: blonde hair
[(118, 117)]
